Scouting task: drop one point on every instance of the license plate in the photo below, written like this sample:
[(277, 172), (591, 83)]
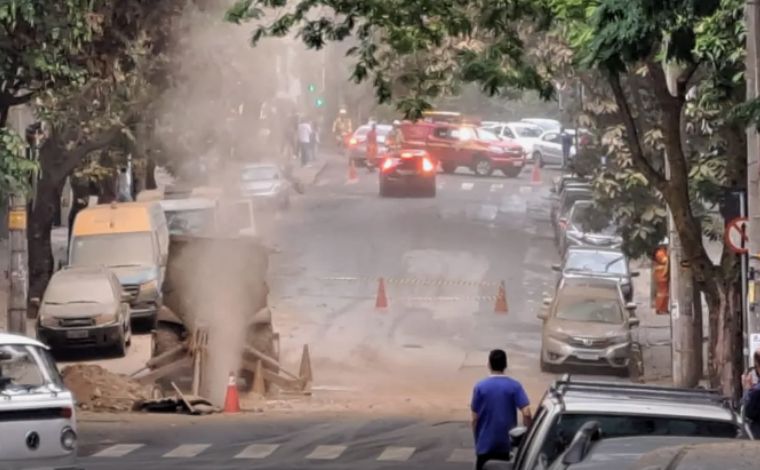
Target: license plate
[(77, 334), (406, 172), (587, 356)]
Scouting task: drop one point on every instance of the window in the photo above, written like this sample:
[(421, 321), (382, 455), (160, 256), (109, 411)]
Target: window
[(586, 309), (444, 133), (119, 249), (464, 133), (600, 262), (487, 136), (19, 368), (508, 133)]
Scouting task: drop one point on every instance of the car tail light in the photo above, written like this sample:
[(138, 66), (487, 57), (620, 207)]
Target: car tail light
[(67, 412), (427, 165), (388, 164), (352, 141)]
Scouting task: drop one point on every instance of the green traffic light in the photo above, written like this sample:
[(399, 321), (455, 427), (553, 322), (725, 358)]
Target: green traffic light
[(320, 102), (312, 88)]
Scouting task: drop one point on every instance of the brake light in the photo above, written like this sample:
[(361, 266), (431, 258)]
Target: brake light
[(67, 412), (387, 164), (427, 165)]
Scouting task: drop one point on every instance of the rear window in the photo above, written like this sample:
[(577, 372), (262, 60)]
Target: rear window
[(571, 198), (566, 425)]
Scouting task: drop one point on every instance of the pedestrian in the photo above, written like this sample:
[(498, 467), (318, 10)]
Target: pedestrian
[(495, 402), (371, 156), (123, 186), (304, 141), (751, 395), (567, 145)]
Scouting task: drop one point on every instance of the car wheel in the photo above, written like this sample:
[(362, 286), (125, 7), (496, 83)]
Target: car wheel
[(545, 366), (383, 189), (128, 328), (120, 348), (636, 364), (430, 189), (538, 159), (448, 168), (482, 166), (513, 172)]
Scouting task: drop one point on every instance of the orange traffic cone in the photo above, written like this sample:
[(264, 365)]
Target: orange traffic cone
[(535, 175), (352, 176), (501, 300), (382, 300), (232, 399)]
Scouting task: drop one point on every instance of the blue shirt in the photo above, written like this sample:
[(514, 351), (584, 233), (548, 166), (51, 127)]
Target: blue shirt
[(495, 401)]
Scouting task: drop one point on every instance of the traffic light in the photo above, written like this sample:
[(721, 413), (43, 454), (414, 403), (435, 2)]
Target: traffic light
[(312, 88), (319, 102)]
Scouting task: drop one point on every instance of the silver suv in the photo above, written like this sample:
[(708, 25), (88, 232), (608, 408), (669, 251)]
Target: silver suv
[(622, 410)]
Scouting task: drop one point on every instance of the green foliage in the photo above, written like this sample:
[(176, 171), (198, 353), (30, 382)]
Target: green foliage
[(15, 170)]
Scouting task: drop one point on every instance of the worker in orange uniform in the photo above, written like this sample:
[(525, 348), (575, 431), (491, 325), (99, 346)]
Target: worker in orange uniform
[(372, 147), (662, 281)]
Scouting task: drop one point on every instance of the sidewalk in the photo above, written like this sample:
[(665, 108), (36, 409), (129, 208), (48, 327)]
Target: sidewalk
[(654, 330)]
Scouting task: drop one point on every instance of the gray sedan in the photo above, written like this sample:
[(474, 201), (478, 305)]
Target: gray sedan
[(266, 185), (589, 261)]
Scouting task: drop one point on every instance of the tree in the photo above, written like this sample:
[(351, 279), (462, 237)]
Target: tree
[(622, 40)]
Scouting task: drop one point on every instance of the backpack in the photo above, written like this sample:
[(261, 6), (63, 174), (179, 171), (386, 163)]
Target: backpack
[(752, 405)]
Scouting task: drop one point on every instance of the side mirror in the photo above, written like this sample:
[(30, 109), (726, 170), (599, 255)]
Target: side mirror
[(556, 267), (631, 306), (125, 296), (633, 322), (35, 302), (579, 447), (547, 301), (635, 274), (516, 435)]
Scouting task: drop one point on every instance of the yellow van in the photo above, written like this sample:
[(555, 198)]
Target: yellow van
[(132, 240)]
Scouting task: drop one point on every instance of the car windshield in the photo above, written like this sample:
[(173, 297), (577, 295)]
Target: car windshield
[(118, 249), (571, 197), (586, 220), (260, 173), (69, 289), (530, 132), (566, 425), (23, 368), (584, 307), (597, 262), (487, 136), (190, 222)]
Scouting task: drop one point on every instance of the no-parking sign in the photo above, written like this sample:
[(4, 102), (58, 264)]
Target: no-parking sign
[(736, 235)]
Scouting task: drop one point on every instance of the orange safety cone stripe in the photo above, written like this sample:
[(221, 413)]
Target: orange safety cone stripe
[(382, 300), (232, 399), (501, 300)]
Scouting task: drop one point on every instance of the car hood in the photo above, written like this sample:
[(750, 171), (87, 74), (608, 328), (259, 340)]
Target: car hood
[(135, 274), (75, 309), (584, 329)]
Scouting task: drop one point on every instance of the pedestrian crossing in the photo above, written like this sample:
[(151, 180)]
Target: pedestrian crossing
[(260, 451)]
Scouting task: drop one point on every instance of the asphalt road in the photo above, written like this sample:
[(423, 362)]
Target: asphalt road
[(391, 386)]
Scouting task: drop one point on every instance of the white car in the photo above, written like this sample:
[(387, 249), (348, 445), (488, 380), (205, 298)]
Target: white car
[(545, 124), (39, 425), (523, 133)]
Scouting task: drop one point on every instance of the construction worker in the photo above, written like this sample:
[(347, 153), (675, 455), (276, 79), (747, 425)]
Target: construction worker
[(342, 127), (371, 147), (395, 138), (662, 281)]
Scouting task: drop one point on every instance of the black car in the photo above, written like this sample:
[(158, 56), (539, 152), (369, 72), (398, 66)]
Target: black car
[(408, 170), (589, 261)]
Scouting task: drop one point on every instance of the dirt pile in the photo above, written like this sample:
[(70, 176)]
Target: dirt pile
[(97, 389)]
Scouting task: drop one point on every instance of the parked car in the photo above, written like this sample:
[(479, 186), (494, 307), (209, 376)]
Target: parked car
[(561, 207), (547, 150), (266, 185), (624, 410), (735, 455), (545, 124), (408, 170), (591, 449), (523, 133), (589, 261), (567, 180), (357, 144), (84, 308), (39, 418), (581, 229), (588, 323), (132, 240), (464, 145)]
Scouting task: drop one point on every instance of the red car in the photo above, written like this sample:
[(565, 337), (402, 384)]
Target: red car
[(464, 145), (407, 169)]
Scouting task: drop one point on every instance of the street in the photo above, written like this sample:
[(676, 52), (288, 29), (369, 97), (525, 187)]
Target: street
[(391, 386)]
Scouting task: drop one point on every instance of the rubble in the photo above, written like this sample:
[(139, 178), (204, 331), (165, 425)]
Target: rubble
[(97, 389)]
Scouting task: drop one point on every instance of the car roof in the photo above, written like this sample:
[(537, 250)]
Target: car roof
[(734, 455), (8, 338), (594, 249), (82, 272), (626, 450)]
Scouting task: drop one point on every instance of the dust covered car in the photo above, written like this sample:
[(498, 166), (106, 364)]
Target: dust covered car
[(408, 170), (266, 185), (38, 424)]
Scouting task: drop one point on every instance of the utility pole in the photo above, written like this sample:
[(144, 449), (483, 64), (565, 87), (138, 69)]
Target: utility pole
[(752, 320)]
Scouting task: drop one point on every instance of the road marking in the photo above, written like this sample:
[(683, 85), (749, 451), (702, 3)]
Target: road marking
[(496, 186), (467, 186), (462, 455), (396, 454), (257, 451), (118, 450), (186, 450), (526, 189), (326, 452)]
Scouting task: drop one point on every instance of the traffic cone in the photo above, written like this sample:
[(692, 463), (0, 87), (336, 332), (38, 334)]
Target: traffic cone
[(382, 300), (535, 175), (501, 300), (352, 176), (232, 399)]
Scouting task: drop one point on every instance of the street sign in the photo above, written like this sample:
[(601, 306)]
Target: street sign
[(736, 235), (17, 220)]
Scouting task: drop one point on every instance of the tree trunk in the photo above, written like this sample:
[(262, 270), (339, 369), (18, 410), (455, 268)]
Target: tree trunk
[(41, 218), (726, 367)]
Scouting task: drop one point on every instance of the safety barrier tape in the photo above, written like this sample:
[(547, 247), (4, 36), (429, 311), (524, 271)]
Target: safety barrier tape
[(404, 281)]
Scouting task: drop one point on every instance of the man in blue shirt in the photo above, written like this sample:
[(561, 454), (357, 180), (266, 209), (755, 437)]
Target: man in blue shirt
[(495, 402)]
